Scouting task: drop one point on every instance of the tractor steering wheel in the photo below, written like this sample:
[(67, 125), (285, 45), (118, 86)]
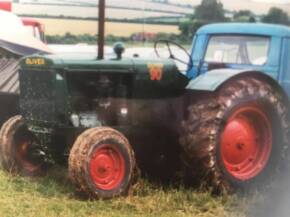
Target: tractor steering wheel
[(169, 45)]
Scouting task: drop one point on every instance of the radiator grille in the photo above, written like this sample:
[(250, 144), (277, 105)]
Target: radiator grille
[(37, 96)]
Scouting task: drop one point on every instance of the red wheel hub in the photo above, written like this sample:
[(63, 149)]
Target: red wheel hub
[(246, 142), (23, 156), (107, 167)]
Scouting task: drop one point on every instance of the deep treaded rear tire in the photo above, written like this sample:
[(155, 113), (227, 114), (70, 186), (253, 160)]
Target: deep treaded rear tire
[(15, 144), (204, 129), (102, 163)]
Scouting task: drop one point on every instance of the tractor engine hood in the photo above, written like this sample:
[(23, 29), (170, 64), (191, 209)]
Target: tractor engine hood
[(147, 75)]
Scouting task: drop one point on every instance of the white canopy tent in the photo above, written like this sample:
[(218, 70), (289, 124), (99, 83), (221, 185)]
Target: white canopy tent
[(15, 38)]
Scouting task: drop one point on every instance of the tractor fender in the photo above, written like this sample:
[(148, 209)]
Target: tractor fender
[(213, 80)]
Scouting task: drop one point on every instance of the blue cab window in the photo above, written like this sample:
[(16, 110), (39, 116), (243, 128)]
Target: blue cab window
[(234, 49)]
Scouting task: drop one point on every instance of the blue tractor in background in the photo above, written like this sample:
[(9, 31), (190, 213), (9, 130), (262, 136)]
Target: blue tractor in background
[(238, 134), (225, 120)]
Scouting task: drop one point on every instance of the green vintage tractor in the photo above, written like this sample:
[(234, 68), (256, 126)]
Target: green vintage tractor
[(225, 121)]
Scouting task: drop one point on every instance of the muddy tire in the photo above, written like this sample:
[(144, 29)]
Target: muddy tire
[(102, 163), (238, 138), (16, 143)]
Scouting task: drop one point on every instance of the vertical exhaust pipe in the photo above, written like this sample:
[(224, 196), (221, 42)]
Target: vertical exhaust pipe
[(101, 34)]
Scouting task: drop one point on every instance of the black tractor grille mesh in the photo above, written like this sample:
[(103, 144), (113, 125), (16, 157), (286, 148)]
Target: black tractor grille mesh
[(37, 96)]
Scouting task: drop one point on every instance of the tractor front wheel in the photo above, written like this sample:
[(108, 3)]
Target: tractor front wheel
[(18, 147), (239, 137), (102, 163)]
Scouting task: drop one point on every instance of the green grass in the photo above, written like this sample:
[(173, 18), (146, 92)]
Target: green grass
[(53, 195)]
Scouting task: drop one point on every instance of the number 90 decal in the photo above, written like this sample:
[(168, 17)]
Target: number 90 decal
[(155, 71)]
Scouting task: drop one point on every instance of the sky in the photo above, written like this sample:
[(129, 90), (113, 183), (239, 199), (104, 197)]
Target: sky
[(274, 1), (186, 1), (264, 1)]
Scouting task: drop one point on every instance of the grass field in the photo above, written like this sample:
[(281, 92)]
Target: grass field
[(53, 196), (62, 26)]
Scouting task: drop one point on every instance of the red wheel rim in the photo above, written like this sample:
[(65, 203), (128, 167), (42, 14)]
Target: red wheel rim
[(246, 142), (23, 157), (107, 167)]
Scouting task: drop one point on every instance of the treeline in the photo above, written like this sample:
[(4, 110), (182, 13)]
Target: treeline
[(162, 20), (69, 38)]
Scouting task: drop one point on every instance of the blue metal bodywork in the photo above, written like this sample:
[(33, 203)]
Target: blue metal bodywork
[(277, 66)]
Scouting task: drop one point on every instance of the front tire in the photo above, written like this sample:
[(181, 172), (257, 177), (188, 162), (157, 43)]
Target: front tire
[(17, 144), (102, 163), (239, 137)]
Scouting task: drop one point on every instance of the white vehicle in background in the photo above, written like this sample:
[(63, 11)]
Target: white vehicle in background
[(32, 25)]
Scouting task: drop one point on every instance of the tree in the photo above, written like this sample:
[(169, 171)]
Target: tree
[(243, 13), (252, 19), (210, 10), (244, 16), (277, 16), (207, 12), (189, 28), (161, 1)]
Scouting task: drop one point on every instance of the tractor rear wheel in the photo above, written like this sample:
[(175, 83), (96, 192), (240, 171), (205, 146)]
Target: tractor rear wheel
[(17, 145), (239, 137), (102, 163)]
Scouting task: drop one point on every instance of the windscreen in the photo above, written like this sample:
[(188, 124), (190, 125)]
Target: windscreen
[(249, 50)]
